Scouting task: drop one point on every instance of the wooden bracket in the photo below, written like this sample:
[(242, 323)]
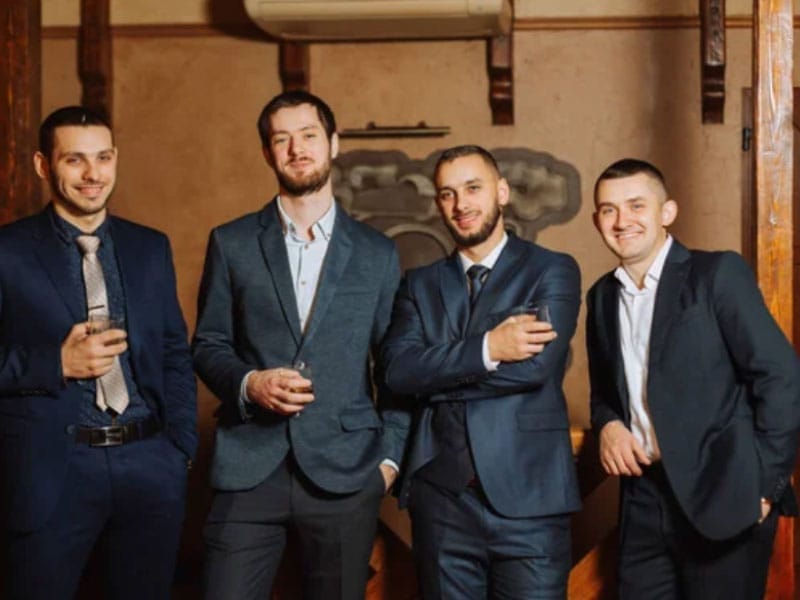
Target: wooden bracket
[(500, 64), (94, 56), (712, 41), (294, 65)]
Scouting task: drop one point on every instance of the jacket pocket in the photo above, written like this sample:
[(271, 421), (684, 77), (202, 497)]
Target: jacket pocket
[(364, 418)]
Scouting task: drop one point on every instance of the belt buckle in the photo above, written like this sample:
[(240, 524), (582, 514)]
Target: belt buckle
[(105, 437)]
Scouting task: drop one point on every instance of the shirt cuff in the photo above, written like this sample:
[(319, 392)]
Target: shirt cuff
[(244, 402), (491, 365), (390, 463)]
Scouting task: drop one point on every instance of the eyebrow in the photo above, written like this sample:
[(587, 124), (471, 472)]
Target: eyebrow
[(303, 128)]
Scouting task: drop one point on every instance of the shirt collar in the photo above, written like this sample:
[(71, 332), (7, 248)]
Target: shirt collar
[(653, 274), (322, 229), (489, 260), (68, 233)]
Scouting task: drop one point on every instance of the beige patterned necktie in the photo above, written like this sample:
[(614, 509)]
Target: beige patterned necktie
[(111, 390)]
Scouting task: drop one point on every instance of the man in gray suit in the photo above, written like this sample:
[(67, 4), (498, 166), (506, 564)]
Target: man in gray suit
[(293, 300)]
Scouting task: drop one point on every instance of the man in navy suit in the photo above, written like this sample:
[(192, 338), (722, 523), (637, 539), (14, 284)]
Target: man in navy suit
[(695, 396), (96, 429), (489, 479), (294, 302)]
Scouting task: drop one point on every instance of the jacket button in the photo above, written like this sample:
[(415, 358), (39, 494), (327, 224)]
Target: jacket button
[(70, 429)]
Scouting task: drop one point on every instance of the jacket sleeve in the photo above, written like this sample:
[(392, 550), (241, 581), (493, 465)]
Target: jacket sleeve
[(215, 358), (456, 367), (766, 361), (394, 408), (180, 388), (604, 400)]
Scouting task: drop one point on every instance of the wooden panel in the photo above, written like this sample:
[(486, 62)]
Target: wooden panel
[(20, 82), (94, 56), (501, 79), (294, 65), (712, 42), (772, 136)]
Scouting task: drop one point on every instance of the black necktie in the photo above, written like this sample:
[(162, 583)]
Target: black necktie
[(477, 275)]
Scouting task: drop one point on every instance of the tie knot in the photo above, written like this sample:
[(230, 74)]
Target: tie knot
[(88, 243), (477, 273)]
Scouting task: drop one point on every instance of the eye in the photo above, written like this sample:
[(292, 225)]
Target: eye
[(637, 205), (474, 188), (72, 160), (606, 210), (105, 157), (280, 139), (445, 195), (309, 135)]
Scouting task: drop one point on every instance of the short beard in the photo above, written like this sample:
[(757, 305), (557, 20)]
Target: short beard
[(305, 185), (480, 236)]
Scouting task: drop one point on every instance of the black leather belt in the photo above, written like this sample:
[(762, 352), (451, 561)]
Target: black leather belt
[(116, 435)]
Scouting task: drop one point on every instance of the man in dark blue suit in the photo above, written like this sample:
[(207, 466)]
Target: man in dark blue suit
[(96, 429), (294, 302), (489, 479), (695, 396)]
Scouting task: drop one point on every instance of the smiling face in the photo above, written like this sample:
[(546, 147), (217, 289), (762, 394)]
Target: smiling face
[(299, 150), (81, 172), (632, 214), (470, 196)]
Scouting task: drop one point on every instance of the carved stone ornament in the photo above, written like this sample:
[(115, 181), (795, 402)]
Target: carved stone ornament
[(395, 194)]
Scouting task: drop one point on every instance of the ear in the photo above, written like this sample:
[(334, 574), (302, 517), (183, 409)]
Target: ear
[(41, 165), (669, 211), (503, 192), (334, 145)]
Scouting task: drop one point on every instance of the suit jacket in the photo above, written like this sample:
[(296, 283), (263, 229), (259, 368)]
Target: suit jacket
[(248, 319), (38, 307), (723, 387), (516, 416)]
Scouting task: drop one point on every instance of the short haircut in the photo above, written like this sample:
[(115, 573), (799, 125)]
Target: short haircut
[(455, 152), (628, 167), (66, 117), (290, 99)]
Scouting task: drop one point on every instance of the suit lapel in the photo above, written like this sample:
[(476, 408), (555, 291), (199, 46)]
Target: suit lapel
[(668, 306), (336, 259), (505, 268), (50, 252), (273, 249), (134, 278), (453, 293)]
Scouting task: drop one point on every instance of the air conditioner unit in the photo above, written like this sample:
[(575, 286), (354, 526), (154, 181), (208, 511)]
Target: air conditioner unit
[(332, 20)]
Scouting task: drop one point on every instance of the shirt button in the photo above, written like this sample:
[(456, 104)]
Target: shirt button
[(302, 283)]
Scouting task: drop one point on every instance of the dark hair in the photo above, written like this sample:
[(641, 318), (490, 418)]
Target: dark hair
[(65, 117), (627, 167), (295, 98), (455, 152)]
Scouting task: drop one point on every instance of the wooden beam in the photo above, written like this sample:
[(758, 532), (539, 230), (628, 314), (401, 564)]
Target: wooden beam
[(95, 56), (294, 65), (772, 137), (712, 41), (20, 82), (501, 78)]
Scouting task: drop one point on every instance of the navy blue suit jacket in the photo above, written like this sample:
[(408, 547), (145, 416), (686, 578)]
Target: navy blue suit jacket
[(247, 320), (723, 387), (38, 306), (516, 416)]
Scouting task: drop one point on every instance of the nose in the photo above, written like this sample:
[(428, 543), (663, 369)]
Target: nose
[(621, 220), (90, 171)]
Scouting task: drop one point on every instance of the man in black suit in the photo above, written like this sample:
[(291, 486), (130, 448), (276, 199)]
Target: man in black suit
[(296, 285), (489, 480), (96, 429), (695, 397)]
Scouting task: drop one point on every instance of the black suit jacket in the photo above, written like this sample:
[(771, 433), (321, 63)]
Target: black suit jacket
[(723, 387), (516, 416), (38, 306)]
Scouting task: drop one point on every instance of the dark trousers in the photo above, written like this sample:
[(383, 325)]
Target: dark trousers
[(465, 551), (130, 498), (246, 531), (662, 557)]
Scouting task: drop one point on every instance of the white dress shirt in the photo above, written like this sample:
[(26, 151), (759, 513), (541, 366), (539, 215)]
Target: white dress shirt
[(488, 261), (635, 325)]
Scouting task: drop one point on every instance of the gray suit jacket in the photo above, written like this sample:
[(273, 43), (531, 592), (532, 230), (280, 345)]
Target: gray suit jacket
[(247, 319)]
